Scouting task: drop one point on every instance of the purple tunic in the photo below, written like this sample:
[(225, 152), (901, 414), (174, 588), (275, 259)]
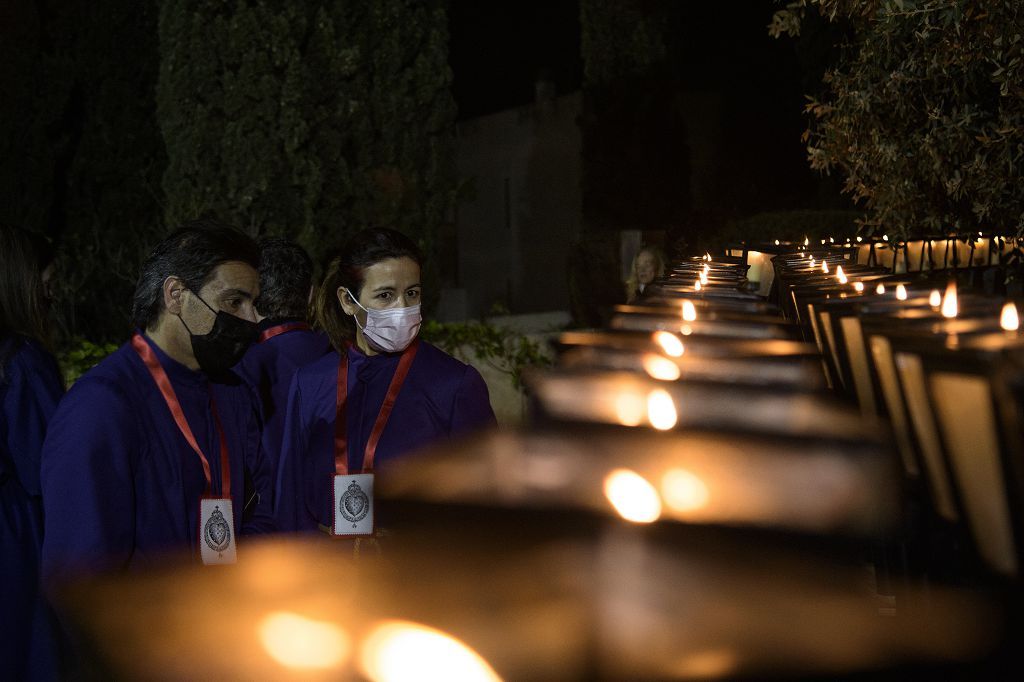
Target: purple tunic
[(441, 397), (268, 367), (30, 387), (121, 485)]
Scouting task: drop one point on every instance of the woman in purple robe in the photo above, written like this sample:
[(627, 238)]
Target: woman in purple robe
[(30, 387), (395, 392)]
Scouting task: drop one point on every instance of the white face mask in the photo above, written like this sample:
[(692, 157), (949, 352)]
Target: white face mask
[(390, 330)]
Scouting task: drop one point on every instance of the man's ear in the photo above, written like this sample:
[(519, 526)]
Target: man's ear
[(346, 301), (174, 292)]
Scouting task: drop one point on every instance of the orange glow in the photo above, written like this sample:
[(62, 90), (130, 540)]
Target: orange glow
[(901, 292), (858, 286), (689, 311), (812, 261), (683, 491), (949, 306), (295, 641), (661, 410), (704, 277), (880, 289), (824, 267), (660, 368), (632, 496), (935, 298), (840, 275), (401, 651), (807, 241), (1009, 319), (669, 343), (630, 409), (776, 242), (696, 286)]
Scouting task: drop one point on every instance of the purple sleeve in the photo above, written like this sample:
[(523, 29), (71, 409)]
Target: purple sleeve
[(31, 396), (472, 406), (258, 515), (87, 482), (289, 504)]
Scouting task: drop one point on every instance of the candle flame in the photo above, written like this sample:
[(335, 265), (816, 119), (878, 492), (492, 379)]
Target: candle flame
[(704, 278), (696, 285), (858, 286), (840, 275), (683, 491), (935, 298), (949, 306), (632, 496), (807, 241), (396, 651), (295, 641), (824, 266), (880, 289), (776, 242), (860, 239), (669, 343), (630, 409), (1009, 319), (812, 261), (885, 237), (660, 368), (689, 311), (901, 292), (831, 241), (661, 410)]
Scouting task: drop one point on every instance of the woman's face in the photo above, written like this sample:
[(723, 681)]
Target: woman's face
[(645, 268), (390, 283)]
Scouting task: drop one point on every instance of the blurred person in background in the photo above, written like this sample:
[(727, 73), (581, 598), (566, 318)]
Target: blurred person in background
[(382, 395), (30, 388), (648, 265), (286, 340)]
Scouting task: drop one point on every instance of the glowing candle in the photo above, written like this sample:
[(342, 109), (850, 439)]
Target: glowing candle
[(824, 267), (689, 311), (1008, 319), (858, 286), (696, 286), (949, 307), (840, 275), (669, 343), (632, 496), (807, 242), (880, 289), (901, 292), (935, 298), (661, 410)]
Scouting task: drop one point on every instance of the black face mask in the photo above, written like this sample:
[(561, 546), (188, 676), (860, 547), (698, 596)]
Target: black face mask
[(223, 346)]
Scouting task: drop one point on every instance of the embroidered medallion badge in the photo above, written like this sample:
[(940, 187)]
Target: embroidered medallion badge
[(354, 504)]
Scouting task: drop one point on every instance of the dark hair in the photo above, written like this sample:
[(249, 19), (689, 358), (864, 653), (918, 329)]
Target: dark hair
[(190, 253), (22, 299), (348, 269), (286, 273)]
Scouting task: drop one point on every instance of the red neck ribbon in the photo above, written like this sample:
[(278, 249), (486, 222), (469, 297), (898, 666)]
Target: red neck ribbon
[(163, 382), (271, 332), (340, 441)]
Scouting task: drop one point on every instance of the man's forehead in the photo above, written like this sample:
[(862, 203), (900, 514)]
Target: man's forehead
[(234, 275)]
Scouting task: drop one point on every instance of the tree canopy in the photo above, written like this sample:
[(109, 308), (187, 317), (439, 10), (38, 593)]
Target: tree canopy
[(923, 113)]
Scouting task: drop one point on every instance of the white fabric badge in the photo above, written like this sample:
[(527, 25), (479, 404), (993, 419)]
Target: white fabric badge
[(353, 504), (216, 531)]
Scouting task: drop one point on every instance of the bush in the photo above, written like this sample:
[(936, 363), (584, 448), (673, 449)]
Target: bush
[(505, 350)]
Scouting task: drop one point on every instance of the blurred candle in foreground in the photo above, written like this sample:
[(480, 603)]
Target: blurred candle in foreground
[(661, 410), (402, 651), (295, 641), (935, 298), (901, 292), (949, 307), (661, 368), (669, 343), (880, 289), (683, 491), (689, 311), (632, 496), (1008, 318), (630, 409)]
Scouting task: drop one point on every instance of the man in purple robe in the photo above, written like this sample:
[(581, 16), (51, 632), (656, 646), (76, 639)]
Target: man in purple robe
[(162, 422), (286, 341)]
